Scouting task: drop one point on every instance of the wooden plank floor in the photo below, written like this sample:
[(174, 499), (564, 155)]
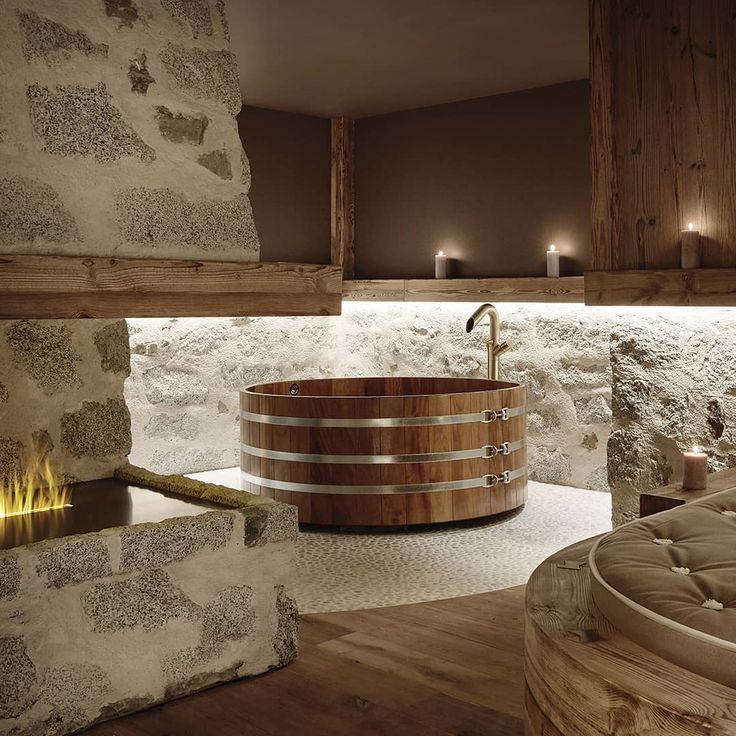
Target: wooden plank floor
[(446, 667)]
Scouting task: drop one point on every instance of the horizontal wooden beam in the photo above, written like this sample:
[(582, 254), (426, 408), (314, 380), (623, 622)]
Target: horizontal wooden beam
[(675, 287), (567, 289), (66, 287)]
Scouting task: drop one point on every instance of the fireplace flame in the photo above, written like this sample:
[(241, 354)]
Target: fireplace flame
[(36, 489)]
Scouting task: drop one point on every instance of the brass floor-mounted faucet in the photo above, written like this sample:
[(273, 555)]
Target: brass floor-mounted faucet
[(495, 347)]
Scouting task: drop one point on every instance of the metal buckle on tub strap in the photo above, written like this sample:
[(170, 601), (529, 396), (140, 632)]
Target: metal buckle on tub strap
[(490, 451), (491, 415), (491, 480)]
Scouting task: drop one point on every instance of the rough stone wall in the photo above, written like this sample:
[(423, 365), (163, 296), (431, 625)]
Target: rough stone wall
[(61, 396), (674, 386), (186, 374), (118, 132), (98, 625)]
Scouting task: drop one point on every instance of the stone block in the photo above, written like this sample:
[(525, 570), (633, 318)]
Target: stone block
[(18, 681), (182, 426), (149, 601), (542, 420), (229, 617), (63, 688), (138, 74), (3, 393), (593, 410), (11, 458), (171, 540), (113, 345), (180, 128), (550, 465), (631, 398), (73, 120), (162, 217), (74, 560), (204, 74), (174, 387), (126, 11), (31, 213), (716, 418), (195, 13), (286, 639), (45, 351), (9, 575), (53, 42), (218, 163), (97, 429)]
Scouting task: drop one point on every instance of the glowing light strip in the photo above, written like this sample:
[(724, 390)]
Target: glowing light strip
[(35, 511)]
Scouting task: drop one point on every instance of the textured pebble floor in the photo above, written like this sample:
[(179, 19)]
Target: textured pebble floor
[(342, 571)]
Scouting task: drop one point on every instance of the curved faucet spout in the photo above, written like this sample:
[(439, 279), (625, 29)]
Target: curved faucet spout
[(495, 347)]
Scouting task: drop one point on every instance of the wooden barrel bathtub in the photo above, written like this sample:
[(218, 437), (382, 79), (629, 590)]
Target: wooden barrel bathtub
[(386, 451)]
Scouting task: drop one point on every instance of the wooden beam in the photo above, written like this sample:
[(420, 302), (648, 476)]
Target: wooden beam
[(699, 288), (663, 90), (567, 289), (66, 287), (342, 221)]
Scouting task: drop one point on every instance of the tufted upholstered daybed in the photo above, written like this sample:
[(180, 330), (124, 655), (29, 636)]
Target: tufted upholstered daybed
[(668, 582), (634, 633)]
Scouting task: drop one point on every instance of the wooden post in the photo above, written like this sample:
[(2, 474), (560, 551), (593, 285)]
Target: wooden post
[(342, 222)]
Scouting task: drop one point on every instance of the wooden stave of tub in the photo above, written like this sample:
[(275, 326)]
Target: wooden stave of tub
[(350, 398)]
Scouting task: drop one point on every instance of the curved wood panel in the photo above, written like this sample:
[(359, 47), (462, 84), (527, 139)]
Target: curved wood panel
[(459, 402), (584, 678)]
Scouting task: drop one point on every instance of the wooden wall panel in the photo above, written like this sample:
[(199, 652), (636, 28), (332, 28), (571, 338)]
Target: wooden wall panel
[(663, 76)]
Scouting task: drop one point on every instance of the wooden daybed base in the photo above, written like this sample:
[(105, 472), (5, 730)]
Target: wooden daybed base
[(584, 678)]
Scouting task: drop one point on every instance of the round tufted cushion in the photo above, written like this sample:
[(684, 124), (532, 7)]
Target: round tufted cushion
[(668, 582)]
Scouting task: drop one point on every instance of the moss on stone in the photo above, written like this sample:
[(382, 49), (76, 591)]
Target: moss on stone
[(74, 560), (17, 677), (151, 545), (74, 120), (97, 430), (125, 11), (149, 601), (45, 351), (31, 213), (218, 163), (192, 488), (194, 12), (138, 74), (54, 42), (113, 345), (204, 74), (179, 128)]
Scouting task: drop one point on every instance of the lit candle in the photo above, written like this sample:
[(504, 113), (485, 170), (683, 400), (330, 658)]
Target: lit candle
[(695, 470), (440, 266), (553, 262), (690, 247)]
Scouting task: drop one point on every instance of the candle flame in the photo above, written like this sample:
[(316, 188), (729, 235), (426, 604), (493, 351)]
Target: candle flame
[(696, 449), (690, 226), (552, 247), (440, 253)]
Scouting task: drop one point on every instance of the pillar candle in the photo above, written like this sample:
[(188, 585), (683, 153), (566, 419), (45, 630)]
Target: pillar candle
[(553, 262), (440, 266), (690, 247), (695, 470)]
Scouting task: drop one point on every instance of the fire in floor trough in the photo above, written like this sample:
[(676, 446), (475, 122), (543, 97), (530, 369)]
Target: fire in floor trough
[(143, 589)]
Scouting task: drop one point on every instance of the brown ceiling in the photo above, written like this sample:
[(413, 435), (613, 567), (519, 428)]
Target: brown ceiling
[(365, 57)]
